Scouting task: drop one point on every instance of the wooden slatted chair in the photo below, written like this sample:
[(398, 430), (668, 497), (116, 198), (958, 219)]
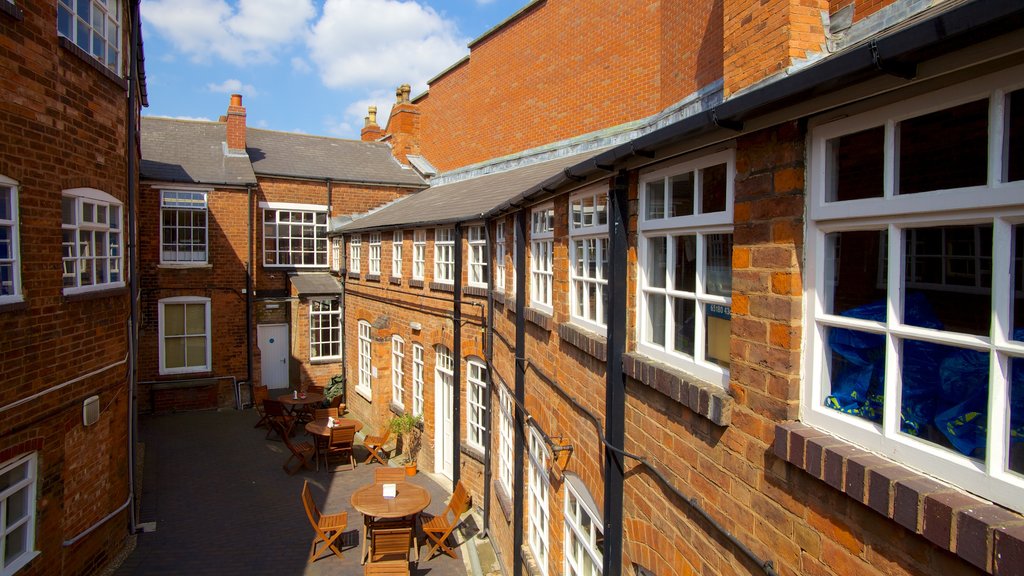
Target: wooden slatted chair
[(375, 444), (387, 475), (391, 568), (276, 412), (389, 547), (302, 452), (336, 403), (342, 439), (440, 527), (259, 394), (328, 527)]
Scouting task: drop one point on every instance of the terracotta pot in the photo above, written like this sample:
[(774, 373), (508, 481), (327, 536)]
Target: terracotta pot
[(410, 469)]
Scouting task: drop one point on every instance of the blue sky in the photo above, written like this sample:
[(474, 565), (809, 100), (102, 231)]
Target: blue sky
[(309, 66)]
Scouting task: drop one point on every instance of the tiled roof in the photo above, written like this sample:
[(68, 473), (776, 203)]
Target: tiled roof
[(191, 152), (305, 156)]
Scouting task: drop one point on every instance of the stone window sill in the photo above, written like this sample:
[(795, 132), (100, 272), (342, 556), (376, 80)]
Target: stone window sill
[(373, 277), (442, 287), (353, 275), (504, 500), (474, 291), (190, 266), (585, 340), (541, 319), (396, 280), (709, 401), (415, 283), (472, 452), (11, 10), (984, 534)]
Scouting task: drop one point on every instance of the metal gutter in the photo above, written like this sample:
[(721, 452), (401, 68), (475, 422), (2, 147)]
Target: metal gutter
[(421, 186)]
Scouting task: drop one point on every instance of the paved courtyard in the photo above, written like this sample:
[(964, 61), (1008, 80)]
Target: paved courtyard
[(220, 503)]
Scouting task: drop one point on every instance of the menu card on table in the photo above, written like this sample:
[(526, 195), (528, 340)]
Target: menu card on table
[(390, 490)]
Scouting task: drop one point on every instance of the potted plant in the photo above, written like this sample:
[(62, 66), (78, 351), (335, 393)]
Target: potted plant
[(410, 429), (335, 389)]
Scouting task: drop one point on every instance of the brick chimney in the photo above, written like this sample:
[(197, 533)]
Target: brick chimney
[(764, 38), (403, 129), (236, 123), (371, 131)]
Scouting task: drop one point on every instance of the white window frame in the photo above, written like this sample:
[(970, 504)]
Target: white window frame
[(25, 490), (373, 254), (542, 257), (279, 229), (397, 370), (184, 202), (355, 253), (417, 380), (539, 488), (476, 393), (318, 330), (336, 260), (586, 231), (700, 225), (78, 254), (477, 244), (13, 260), (92, 33), (506, 438), (364, 386), (500, 252), (397, 238), (207, 334), (998, 203), (419, 254), (579, 543), (444, 255)]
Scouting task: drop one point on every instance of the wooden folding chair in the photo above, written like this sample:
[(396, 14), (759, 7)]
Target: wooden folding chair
[(387, 475), (328, 527), (375, 444), (440, 527), (325, 413), (342, 439), (259, 394), (336, 403), (302, 452), (276, 412), (390, 548)]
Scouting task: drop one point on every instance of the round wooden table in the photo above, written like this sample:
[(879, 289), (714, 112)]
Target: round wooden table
[(292, 402), (410, 499), (319, 426)]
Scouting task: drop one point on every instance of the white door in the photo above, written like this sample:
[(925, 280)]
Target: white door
[(444, 414), (273, 343)]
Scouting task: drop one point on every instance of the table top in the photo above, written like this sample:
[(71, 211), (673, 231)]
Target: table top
[(409, 499), (319, 426), (311, 398)]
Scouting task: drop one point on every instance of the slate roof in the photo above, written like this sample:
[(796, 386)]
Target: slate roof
[(466, 199), (304, 156), (315, 284), (191, 152)]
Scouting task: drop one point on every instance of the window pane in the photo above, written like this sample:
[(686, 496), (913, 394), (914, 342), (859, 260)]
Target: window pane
[(855, 363), (945, 396), (64, 20), (17, 504), (719, 264), (5, 203), (656, 199), (1015, 136), (196, 318), (686, 263), (656, 319), (682, 194), (174, 319), (857, 165), (712, 190), (717, 334), (196, 350), (944, 149), (685, 312), (1016, 440), (855, 274), (174, 352), (656, 262), (16, 543)]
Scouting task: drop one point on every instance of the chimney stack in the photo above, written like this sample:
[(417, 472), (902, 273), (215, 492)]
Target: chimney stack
[(236, 123), (404, 125), (371, 131)]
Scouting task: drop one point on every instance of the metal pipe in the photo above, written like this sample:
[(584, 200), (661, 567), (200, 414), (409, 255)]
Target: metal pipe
[(520, 393), (489, 391), (249, 351), (457, 353)]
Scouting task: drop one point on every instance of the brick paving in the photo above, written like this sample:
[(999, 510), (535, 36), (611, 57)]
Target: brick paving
[(222, 505)]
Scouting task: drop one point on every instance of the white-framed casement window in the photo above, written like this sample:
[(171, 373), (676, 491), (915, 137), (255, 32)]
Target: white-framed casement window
[(183, 237), (185, 343), (294, 235), (685, 296), (584, 534), (419, 254), (396, 253), (506, 438), (10, 259), (94, 26), (373, 254), (397, 370), (542, 264), (477, 241), (444, 255), (417, 380), (476, 392), (915, 291), (537, 498), (336, 262), (364, 386), (18, 478), (92, 240), (588, 266), (355, 253), (500, 252), (325, 329)]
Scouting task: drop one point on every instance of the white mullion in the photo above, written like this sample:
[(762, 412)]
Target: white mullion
[(699, 320), (998, 425), (670, 301), (893, 385), (996, 150)]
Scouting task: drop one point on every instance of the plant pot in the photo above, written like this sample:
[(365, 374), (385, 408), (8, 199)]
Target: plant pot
[(410, 469)]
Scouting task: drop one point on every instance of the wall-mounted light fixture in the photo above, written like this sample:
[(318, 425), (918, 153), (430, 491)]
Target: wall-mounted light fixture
[(91, 410), (415, 326)]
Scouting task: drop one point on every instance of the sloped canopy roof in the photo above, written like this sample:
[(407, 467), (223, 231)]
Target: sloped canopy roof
[(190, 152), (315, 284)]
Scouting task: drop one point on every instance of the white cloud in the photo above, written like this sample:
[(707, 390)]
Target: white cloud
[(301, 66), (209, 29), (412, 44), (232, 86)]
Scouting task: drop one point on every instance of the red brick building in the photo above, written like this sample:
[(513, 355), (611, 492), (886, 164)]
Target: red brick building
[(714, 289), (71, 86)]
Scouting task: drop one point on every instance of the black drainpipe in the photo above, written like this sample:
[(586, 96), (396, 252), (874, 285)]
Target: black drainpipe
[(519, 449), (457, 353), (249, 297), (489, 392), (615, 386), (134, 84)]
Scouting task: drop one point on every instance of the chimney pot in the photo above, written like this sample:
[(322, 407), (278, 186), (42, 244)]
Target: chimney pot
[(236, 99), (373, 114)]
